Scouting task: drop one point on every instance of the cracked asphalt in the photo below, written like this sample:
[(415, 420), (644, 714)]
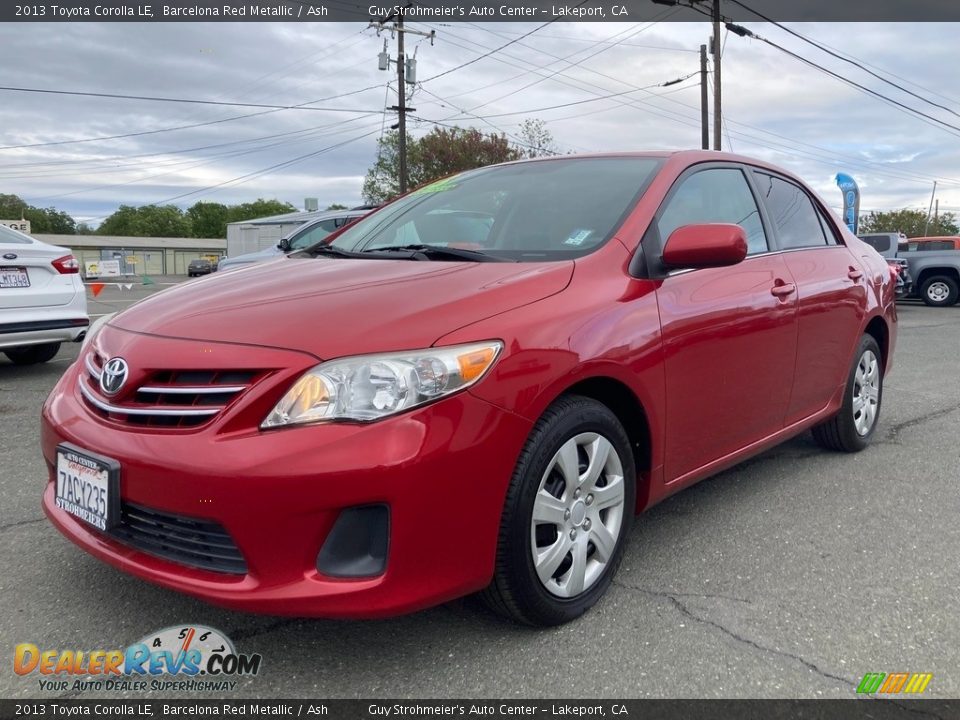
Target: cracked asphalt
[(788, 576)]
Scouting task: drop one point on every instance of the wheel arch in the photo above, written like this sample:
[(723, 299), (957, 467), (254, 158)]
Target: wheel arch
[(630, 411), (929, 272), (878, 329)]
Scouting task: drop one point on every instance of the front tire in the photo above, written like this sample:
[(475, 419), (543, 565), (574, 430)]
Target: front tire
[(32, 354), (567, 515), (851, 429), (940, 291)]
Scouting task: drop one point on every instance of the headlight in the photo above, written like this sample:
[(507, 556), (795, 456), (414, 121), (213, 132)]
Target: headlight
[(94, 328), (371, 387)]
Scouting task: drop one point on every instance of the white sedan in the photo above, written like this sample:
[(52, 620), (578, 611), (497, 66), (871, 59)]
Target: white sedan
[(42, 299)]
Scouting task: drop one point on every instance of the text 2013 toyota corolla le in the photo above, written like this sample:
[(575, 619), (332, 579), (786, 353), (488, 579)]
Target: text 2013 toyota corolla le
[(475, 388)]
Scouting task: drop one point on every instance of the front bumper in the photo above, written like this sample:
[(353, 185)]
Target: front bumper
[(442, 470)]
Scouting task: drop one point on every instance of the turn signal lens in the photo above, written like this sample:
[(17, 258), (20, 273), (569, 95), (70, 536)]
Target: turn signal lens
[(475, 363)]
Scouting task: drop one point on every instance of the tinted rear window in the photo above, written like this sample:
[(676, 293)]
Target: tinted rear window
[(880, 243)]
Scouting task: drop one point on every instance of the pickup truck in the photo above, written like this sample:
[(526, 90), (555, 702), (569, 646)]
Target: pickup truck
[(935, 274)]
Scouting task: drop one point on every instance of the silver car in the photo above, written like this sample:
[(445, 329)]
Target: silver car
[(42, 300), (305, 235)]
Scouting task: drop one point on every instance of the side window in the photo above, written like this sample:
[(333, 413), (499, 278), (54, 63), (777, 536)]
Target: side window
[(314, 235), (719, 195), (827, 228), (791, 212)]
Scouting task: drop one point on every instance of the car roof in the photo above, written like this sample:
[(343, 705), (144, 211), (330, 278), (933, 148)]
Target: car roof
[(932, 238)]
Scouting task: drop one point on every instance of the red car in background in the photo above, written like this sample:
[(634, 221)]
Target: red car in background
[(475, 388)]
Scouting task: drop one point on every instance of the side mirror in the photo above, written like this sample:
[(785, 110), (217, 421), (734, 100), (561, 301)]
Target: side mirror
[(284, 245), (706, 245)]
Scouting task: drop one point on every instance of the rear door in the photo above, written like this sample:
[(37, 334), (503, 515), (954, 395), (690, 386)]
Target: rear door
[(831, 291), (729, 333), (27, 277)]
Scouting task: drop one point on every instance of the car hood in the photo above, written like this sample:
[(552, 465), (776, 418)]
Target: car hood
[(334, 307), (267, 253)]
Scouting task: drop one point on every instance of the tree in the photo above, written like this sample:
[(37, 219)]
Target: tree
[(42, 220), (441, 152), (146, 221), (912, 223), (336, 206), (208, 219), (85, 229), (537, 141), (258, 209)]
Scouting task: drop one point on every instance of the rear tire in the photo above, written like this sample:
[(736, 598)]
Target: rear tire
[(940, 291), (851, 429), (32, 354), (567, 515)]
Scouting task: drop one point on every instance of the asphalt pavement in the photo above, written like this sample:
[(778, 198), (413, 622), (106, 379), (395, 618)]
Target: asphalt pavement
[(791, 575)]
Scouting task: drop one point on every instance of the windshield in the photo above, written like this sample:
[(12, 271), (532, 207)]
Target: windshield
[(549, 210)]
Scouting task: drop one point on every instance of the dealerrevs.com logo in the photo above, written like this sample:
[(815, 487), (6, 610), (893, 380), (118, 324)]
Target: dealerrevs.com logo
[(178, 658)]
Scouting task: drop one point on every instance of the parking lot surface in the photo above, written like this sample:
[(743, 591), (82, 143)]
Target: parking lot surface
[(790, 575)]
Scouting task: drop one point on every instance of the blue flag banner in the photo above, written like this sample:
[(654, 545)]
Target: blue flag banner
[(851, 201)]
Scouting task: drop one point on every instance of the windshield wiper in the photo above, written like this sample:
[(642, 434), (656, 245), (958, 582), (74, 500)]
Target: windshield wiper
[(331, 251), (438, 252)]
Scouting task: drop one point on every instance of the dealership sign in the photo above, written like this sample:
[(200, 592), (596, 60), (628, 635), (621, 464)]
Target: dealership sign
[(851, 201), (102, 268), (21, 225)]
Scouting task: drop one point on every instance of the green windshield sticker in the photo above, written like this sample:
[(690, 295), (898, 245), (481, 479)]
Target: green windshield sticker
[(438, 186)]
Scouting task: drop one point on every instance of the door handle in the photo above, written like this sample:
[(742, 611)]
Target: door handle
[(855, 274), (781, 291)]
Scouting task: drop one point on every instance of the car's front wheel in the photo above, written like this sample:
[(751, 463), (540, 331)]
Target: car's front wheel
[(32, 354), (567, 515), (850, 430), (940, 291)]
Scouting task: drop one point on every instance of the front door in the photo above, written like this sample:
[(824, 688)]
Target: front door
[(729, 334)]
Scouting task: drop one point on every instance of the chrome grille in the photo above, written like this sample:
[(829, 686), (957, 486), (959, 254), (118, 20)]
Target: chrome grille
[(167, 398)]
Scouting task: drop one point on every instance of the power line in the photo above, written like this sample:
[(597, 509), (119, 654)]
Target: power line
[(496, 50), (641, 105), (249, 176), (149, 98), (848, 60), (566, 59), (205, 162), (593, 99), (917, 114)]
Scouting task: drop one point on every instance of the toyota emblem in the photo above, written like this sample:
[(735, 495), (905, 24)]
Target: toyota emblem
[(114, 376), (10, 256)]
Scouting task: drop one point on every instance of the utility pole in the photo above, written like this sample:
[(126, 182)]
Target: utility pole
[(926, 228), (717, 113), (406, 74), (704, 111), (401, 106)]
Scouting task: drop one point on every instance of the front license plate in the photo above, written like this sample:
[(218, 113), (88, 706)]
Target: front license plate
[(14, 277), (88, 486)]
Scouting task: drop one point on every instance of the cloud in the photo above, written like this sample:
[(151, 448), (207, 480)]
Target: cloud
[(776, 108)]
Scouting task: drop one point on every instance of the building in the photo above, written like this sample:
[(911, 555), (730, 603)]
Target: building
[(138, 255)]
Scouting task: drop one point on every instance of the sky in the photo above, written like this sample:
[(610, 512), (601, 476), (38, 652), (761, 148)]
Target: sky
[(775, 107)]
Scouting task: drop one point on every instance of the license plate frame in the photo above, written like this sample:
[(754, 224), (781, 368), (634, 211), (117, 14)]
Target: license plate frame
[(14, 271), (98, 507)]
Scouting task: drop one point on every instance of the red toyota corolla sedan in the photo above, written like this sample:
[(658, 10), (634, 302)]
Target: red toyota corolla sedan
[(475, 388)]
